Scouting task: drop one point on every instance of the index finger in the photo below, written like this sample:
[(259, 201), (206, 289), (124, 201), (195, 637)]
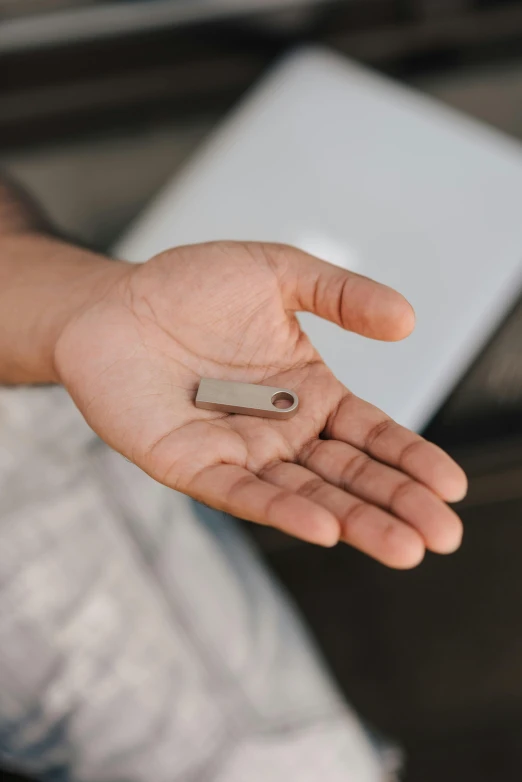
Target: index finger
[(372, 431)]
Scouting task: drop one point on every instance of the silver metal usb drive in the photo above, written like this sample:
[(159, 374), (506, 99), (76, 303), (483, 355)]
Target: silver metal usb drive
[(245, 398)]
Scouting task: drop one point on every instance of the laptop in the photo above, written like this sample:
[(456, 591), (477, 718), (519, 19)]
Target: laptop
[(334, 159)]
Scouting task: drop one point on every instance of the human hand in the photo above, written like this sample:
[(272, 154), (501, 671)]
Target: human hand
[(339, 470)]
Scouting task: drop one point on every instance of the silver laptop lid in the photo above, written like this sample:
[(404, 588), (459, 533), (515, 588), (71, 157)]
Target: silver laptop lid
[(362, 172)]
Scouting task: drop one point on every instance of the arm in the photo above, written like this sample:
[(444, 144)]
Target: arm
[(44, 281), (131, 343)]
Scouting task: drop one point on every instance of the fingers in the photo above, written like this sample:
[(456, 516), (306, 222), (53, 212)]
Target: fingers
[(366, 527), (370, 430), (357, 473), (237, 491), (356, 303)]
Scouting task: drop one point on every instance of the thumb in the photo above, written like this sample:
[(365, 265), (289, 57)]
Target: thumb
[(354, 302)]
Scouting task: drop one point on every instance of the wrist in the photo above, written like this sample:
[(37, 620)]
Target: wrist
[(45, 284)]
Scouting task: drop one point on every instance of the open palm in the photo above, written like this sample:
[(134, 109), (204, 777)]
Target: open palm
[(340, 469)]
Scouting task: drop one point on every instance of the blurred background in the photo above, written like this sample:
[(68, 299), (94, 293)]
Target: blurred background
[(100, 103)]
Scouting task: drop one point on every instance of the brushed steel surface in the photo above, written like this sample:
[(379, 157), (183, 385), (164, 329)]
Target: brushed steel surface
[(245, 398)]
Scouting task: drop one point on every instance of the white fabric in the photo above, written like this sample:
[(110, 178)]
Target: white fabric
[(140, 637)]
